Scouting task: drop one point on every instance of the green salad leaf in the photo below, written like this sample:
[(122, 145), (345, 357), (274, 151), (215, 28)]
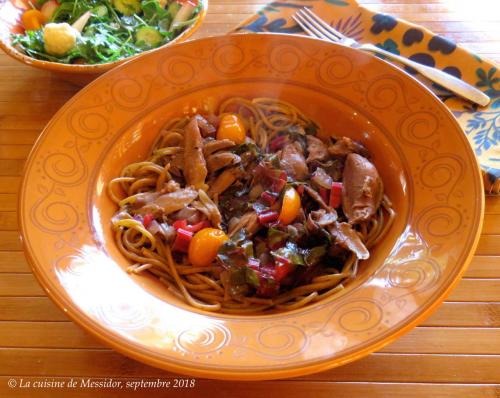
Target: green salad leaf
[(117, 29)]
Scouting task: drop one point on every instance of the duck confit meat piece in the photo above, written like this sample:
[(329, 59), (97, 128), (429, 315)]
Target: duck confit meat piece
[(223, 181), (177, 164), (206, 129), (249, 221), (362, 190), (316, 197), (188, 213), (317, 150), (170, 186), (321, 179), (195, 167), (213, 119), (323, 218), (293, 162), (210, 209), (346, 237), (216, 145), (220, 160), (170, 202), (312, 224), (343, 146)]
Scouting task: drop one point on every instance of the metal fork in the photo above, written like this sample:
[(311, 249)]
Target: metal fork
[(315, 26)]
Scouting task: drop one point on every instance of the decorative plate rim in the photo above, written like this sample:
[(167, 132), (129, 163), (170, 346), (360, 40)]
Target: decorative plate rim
[(143, 354)]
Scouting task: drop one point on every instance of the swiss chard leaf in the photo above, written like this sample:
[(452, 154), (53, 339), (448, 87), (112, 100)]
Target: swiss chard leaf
[(276, 238), (232, 255), (313, 256), (290, 253), (248, 248), (252, 277), (235, 281)]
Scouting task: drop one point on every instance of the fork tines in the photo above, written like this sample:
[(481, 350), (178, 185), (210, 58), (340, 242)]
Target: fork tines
[(315, 26)]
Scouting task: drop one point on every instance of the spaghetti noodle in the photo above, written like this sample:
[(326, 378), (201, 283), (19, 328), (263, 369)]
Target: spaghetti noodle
[(272, 220)]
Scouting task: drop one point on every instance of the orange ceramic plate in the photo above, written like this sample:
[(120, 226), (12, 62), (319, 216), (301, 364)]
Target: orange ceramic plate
[(427, 165)]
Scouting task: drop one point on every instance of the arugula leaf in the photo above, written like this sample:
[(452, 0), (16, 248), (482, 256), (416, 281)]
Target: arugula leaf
[(107, 36), (153, 14)]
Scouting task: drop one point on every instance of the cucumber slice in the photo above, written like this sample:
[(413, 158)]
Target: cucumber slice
[(100, 11), (147, 36), (127, 7)]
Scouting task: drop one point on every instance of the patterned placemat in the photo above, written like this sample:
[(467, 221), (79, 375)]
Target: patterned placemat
[(481, 124)]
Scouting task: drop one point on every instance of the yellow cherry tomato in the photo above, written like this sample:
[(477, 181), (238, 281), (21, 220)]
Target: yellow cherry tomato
[(32, 19), (232, 128), (204, 246), (290, 207)]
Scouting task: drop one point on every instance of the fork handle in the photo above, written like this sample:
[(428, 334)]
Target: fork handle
[(444, 79)]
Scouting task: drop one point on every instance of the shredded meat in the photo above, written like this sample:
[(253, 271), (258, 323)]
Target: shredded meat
[(177, 164), (362, 189), (195, 168), (216, 145), (349, 239), (209, 208), (313, 228), (170, 202), (207, 130), (249, 221), (316, 196), (223, 181), (293, 162), (170, 186), (214, 120), (316, 149), (220, 160), (344, 146), (143, 198), (321, 179), (188, 213), (322, 218)]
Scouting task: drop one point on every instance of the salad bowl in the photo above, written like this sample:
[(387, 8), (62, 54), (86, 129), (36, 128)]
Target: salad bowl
[(429, 172), (11, 12)]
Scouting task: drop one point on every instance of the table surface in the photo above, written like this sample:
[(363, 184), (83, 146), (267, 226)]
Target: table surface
[(456, 352)]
